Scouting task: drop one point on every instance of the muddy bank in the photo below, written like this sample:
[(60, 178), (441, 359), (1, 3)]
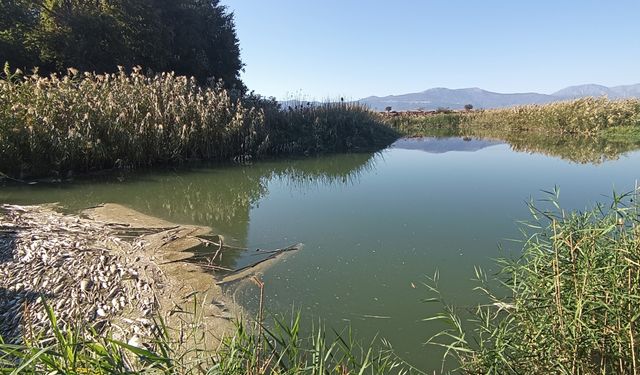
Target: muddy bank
[(110, 267)]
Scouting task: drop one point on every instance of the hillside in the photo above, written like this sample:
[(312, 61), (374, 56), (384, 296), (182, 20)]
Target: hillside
[(457, 98)]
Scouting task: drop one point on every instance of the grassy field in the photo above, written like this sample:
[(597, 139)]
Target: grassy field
[(81, 122)]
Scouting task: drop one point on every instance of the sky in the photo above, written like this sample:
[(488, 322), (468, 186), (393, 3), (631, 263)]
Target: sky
[(315, 50)]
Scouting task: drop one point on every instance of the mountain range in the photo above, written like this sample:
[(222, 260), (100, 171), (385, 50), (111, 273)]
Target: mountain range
[(457, 98)]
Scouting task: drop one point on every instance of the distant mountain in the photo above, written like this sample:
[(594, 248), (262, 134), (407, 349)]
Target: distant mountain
[(457, 98), (616, 92), (582, 91)]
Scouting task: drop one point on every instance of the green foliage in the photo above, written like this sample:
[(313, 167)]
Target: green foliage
[(83, 122), (572, 302), (303, 128), (16, 26), (190, 37), (430, 125), (282, 350)]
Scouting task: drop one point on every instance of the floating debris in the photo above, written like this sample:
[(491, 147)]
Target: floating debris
[(81, 268)]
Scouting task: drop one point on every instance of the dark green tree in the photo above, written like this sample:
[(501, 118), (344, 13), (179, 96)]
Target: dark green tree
[(17, 22), (191, 37)]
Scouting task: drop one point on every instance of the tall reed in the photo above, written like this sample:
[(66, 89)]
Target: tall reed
[(586, 117), (587, 130), (572, 300), (81, 122), (84, 121), (300, 127)]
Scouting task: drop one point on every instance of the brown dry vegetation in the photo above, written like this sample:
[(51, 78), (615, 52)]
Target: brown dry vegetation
[(83, 121)]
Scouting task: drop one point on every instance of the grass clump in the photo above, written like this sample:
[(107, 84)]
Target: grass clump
[(573, 299), (280, 350), (82, 122)]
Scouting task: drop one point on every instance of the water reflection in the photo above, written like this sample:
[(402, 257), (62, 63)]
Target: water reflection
[(581, 150), (372, 224), (435, 145), (575, 148), (216, 196)]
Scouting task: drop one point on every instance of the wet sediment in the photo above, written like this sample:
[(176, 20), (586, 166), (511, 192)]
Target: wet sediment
[(109, 268)]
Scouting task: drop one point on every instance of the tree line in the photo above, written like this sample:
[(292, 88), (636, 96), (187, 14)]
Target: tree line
[(190, 37)]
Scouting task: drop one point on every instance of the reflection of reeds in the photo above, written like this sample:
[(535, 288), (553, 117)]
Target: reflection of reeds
[(572, 299), (83, 121), (224, 197), (583, 130)]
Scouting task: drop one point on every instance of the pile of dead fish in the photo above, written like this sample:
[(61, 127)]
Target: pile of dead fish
[(79, 267)]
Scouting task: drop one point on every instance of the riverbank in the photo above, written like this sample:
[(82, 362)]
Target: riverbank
[(108, 291), (111, 269), (588, 130), (580, 117), (85, 122)]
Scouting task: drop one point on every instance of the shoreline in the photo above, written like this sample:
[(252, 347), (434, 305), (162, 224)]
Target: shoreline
[(108, 267)]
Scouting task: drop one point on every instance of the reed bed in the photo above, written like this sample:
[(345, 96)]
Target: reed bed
[(429, 125), (333, 126), (586, 117), (572, 300), (588, 130), (80, 122)]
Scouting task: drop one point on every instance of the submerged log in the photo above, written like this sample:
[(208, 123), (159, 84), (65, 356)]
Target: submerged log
[(250, 270)]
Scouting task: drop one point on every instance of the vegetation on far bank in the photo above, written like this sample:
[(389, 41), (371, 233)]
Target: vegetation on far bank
[(82, 122), (582, 130), (586, 116)]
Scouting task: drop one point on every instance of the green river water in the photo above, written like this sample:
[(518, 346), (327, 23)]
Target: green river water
[(373, 225)]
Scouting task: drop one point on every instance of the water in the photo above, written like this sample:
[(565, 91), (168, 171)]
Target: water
[(374, 225)]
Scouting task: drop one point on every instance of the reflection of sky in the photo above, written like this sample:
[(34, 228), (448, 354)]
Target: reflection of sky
[(442, 145)]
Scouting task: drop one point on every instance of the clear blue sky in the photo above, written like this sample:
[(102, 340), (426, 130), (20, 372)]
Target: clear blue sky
[(331, 48)]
